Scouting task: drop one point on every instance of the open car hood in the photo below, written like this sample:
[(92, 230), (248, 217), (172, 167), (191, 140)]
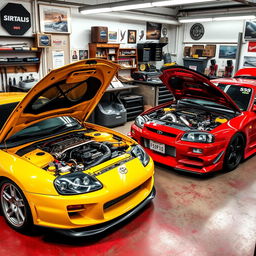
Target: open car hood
[(186, 83), (73, 90)]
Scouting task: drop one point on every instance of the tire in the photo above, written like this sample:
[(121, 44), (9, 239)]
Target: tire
[(15, 207), (234, 153)]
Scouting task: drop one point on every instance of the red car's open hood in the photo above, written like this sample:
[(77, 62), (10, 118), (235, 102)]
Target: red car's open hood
[(186, 83)]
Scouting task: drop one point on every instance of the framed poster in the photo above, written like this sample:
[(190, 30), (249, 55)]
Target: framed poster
[(227, 52), (250, 30), (249, 61), (122, 36), (54, 19), (112, 36), (132, 36), (153, 30), (83, 54)]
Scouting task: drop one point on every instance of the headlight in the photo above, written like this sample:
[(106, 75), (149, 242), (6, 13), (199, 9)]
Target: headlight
[(140, 121), (76, 183), (139, 152), (201, 137)]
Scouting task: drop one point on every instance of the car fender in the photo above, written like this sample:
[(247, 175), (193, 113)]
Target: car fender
[(27, 176)]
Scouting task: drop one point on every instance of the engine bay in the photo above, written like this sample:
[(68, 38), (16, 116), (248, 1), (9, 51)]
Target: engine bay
[(78, 151), (187, 118)]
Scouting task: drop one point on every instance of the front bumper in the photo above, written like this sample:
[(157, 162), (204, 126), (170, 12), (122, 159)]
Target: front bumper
[(97, 229), (120, 194), (181, 156)]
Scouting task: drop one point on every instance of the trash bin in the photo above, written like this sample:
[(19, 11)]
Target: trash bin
[(198, 65)]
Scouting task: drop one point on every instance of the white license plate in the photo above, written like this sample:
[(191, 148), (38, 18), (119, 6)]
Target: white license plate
[(159, 147)]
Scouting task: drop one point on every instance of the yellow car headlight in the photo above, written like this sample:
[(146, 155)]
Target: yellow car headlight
[(139, 152), (76, 183)]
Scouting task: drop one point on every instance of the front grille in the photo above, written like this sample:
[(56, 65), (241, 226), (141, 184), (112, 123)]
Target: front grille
[(169, 150), (162, 132), (117, 200)]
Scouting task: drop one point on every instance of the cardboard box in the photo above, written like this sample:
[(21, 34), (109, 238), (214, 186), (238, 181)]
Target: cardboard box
[(196, 47), (187, 51), (209, 51)]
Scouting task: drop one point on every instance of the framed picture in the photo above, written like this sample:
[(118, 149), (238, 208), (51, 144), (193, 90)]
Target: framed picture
[(249, 61), (250, 30), (83, 54), (227, 52), (132, 36), (43, 40), (153, 30), (112, 36), (54, 19), (122, 36), (74, 55), (141, 35)]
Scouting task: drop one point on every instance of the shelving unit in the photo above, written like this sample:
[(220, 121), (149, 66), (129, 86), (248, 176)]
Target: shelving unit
[(128, 59), (12, 66), (104, 51)]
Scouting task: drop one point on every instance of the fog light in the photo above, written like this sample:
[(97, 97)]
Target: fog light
[(197, 150), (75, 207)]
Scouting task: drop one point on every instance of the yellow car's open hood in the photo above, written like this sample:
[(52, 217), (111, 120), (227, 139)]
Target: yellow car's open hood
[(73, 90)]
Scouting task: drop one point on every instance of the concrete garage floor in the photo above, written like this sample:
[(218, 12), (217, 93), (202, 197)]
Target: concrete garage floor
[(190, 216)]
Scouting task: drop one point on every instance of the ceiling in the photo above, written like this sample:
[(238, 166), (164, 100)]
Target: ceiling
[(214, 6)]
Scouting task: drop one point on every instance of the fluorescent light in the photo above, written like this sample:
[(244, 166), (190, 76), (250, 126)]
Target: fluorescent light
[(187, 20), (178, 2), (131, 6), (113, 7), (195, 20), (93, 11), (248, 17)]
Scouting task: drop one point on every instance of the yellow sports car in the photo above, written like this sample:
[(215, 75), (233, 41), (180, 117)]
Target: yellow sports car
[(58, 171)]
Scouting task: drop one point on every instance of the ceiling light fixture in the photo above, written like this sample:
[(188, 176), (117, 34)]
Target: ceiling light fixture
[(195, 20), (247, 17), (178, 2), (126, 5), (224, 18)]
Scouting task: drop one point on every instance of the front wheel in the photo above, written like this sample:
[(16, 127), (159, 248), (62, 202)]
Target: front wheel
[(14, 206), (234, 152)]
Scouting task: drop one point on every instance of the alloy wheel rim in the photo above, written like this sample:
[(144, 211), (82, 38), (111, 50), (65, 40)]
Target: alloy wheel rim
[(235, 152), (13, 205)]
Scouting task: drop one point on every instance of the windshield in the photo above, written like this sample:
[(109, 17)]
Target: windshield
[(241, 95), (45, 128)]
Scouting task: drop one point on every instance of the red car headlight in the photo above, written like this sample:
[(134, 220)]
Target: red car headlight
[(199, 137)]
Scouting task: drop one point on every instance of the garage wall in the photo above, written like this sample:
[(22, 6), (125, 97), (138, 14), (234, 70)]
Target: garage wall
[(81, 30), (217, 32)]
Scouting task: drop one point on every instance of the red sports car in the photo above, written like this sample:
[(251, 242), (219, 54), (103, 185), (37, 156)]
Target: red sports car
[(209, 126)]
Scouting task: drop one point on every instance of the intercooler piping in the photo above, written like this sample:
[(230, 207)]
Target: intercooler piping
[(169, 115), (106, 154)]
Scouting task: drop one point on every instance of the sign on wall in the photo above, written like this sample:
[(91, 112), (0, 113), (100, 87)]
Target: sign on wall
[(15, 19), (252, 47), (197, 31)]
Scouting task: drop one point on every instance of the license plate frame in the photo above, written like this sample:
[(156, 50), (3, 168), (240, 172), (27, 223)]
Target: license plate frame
[(156, 146)]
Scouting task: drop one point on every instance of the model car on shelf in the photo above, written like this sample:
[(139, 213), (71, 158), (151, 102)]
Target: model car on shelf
[(209, 126), (60, 172)]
